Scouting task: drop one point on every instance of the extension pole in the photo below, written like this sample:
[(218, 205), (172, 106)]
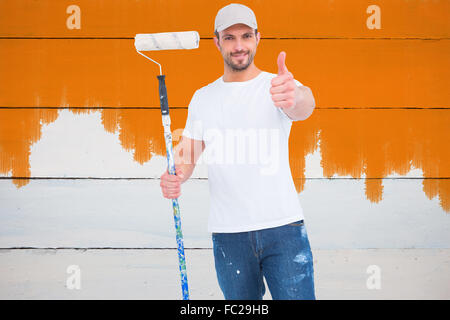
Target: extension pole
[(171, 168)]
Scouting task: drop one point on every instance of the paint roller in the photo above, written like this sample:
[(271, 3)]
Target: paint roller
[(169, 41), (166, 41)]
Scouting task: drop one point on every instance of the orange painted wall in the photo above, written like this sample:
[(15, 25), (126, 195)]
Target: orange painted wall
[(382, 94)]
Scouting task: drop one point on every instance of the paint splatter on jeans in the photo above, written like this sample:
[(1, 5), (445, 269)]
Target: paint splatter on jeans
[(281, 255)]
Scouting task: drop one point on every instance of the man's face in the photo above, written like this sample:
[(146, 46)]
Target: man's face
[(237, 44)]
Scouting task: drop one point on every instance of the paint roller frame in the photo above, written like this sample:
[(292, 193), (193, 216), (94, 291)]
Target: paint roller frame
[(170, 41)]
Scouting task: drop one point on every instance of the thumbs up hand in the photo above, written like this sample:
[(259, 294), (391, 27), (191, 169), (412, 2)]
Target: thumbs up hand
[(283, 88)]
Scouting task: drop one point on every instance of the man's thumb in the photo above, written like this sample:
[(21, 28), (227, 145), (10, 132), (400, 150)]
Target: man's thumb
[(282, 69)]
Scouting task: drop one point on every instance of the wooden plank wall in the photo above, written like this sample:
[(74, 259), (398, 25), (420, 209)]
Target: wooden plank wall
[(79, 111)]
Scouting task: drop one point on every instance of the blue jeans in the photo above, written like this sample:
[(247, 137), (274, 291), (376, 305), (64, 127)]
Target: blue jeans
[(282, 255)]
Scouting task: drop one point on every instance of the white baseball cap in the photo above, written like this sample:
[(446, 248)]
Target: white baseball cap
[(232, 14)]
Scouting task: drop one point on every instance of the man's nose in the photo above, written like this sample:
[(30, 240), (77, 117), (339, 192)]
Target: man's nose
[(238, 45)]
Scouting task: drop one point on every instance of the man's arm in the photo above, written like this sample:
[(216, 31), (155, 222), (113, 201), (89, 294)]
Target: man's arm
[(187, 153)]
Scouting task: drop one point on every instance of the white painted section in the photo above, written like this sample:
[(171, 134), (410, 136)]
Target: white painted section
[(98, 213), (133, 213), (153, 274), (338, 215)]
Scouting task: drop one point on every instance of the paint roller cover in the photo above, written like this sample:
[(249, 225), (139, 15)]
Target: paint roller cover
[(167, 41)]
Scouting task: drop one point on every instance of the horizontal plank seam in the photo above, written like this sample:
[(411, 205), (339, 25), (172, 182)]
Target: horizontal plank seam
[(185, 108), (210, 38), (98, 248), (156, 178), (209, 248)]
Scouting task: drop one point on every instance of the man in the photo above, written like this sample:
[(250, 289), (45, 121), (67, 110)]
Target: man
[(256, 219)]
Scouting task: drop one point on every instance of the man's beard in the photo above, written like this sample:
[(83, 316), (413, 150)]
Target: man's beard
[(239, 67)]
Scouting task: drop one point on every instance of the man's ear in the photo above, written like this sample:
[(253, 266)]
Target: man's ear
[(258, 37), (216, 42)]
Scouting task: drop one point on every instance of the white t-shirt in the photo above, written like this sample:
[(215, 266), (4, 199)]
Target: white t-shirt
[(247, 152)]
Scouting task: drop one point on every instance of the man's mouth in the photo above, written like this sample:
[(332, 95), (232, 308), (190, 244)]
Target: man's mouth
[(239, 55)]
